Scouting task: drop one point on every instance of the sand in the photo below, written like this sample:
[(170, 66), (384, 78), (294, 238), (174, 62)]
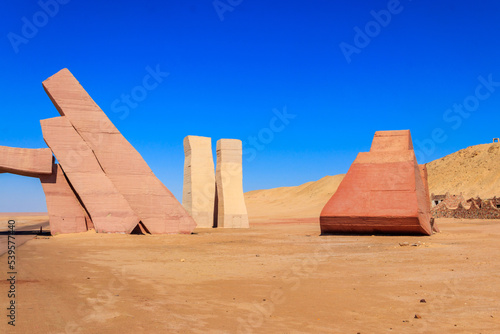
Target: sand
[(272, 278), (304, 201)]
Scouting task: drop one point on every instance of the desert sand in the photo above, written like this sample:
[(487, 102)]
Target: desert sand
[(272, 278)]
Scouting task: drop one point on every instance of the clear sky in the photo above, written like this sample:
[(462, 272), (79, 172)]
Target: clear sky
[(305, 84)]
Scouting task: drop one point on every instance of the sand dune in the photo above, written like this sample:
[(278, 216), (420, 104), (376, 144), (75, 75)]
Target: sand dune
[(302, 201), (473, 171)]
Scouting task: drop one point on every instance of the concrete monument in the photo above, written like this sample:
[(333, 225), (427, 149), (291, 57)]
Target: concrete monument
[(383, 191), (199, 180), (25, 161), (107, 207), (152, 203), (66, 214), (231, 208)]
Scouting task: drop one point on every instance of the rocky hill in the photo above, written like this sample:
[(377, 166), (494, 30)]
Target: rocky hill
[(472, 171)]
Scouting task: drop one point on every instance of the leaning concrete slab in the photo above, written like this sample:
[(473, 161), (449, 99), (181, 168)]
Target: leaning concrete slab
[(158, 209), (231, 208), (66, 214), (198, 195), (383, 191), (108, 209), (25, 161)]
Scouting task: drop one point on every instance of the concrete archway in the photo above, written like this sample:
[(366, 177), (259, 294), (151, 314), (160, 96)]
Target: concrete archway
[(66, 213)]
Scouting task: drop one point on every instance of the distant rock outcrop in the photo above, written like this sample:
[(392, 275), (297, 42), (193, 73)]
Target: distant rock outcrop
[(473, 171), (455, 206)]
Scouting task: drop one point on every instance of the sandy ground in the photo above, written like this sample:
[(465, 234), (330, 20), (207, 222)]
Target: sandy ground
[(271, 278)]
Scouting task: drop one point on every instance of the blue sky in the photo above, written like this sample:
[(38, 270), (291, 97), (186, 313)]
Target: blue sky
[(340, 70)]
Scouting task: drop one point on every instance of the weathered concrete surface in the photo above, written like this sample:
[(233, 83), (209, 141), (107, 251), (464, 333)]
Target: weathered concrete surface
[(158, 209), (25, 161), (425, 179), (107, 207), (198, 196), (66, 214), (390, 141), (231, 208), (383, 191)]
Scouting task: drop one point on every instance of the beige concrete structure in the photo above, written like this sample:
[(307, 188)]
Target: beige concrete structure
[(107, 207), (198, 196), (231, 208)]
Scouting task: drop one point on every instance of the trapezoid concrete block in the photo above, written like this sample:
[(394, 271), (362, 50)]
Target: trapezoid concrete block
[(198, 196), (383, 191), (231, 207), (153, 203)]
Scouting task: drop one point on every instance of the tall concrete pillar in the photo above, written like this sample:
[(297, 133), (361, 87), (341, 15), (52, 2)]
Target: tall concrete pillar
[(198, 194), (231, 208)]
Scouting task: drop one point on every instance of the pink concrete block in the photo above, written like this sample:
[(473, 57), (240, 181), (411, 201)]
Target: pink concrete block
[(107, 207), (383, 192), (66, 214), (26, 162), (153, 203)]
